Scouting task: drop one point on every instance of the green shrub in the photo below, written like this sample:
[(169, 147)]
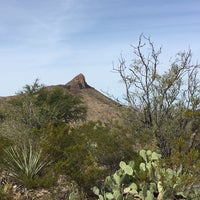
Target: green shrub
[(46, 179), (4, 143), (72, 157), (59, 105), (86, 154), (108, 147), (25, 162), (33, 108)]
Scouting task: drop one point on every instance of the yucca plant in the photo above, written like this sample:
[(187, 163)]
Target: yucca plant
[(25, 161)]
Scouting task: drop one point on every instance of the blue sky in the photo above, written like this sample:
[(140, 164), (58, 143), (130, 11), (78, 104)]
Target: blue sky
[(54, 40)]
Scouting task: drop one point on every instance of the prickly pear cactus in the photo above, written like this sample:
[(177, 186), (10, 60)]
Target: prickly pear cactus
[(145, 180)]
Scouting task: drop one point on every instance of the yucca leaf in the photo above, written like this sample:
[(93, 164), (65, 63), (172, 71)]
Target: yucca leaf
[(25, 160)]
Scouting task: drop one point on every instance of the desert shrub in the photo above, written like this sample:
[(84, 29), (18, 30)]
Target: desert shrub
[(25, 163), (59, 105), (71, 156), (35, 106), (4, 143), (157, 99), (46, 179), (86, 154), (107, 146), (189, 159)]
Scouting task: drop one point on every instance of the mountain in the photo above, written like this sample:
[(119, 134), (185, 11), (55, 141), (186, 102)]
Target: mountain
[(100, 107)]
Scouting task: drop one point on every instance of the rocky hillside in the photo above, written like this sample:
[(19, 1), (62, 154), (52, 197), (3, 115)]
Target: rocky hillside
[(99, 106)]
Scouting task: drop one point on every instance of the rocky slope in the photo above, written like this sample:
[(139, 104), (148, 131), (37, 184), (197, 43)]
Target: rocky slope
[(100, 107)]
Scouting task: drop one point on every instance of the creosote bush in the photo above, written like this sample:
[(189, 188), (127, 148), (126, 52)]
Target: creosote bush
[(158, 100)]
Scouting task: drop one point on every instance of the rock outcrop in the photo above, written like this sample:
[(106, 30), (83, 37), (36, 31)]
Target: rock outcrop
[(77, 83), (99, 106)]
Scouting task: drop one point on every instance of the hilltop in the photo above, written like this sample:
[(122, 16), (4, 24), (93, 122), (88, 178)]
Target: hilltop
[(99, 106)]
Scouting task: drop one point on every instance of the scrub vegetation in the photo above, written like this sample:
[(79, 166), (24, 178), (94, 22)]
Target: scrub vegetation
[(153, 152)]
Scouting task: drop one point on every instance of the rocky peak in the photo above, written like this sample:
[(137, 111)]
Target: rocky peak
[(77, 83)]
